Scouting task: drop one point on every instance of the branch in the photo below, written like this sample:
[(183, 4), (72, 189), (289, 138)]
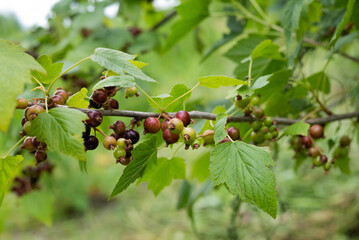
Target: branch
[(210, 116), (164, 20)]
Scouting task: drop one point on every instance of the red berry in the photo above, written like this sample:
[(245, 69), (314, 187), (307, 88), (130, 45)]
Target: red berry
[(40, 156), (169, 137), (164, 125), (233, 132), (57, 99), (95, 118), (258, 112), (23, 121), (316, 131), (313, 152), (323, 159), (184, 117), (22, 103), (307, 142), (151, 125), (118, 127), (38, 145), (110, 90), (28, 144), (99, 96), (62, 93), (113, 103)]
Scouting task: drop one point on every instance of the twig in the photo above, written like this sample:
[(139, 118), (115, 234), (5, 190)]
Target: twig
[(164, 20)]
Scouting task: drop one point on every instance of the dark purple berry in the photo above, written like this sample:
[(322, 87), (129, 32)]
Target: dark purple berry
[(93, 104), (131, 135), (40, 156), (95, 118), (118, 127), (38, 145), (91, 142), (233, 132), (99, 96), (113, 103), (307, 142), (23, 121), (110, 90), (87, 131)]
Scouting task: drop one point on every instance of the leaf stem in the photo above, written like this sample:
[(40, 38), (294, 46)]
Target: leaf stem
[(43, 89), (16, 144), (250, 71), (149, 97), (247, 133), (98, 130), (175, 100), (78, 63)]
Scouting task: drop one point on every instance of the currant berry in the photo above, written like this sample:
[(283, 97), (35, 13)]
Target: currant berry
[(272, 128), (234, 133), (28, 144), (264, 129), (258, 112), (118, 127), (113, 103), (327, 166), (316, 131), (243, 103), (345, 141), (27, 128), (313, 152), (169, 137), (121, 143), (32, 112), (256, 125), (316, 162), (130, 92), (40, 156), (119, 152), (110, 143), (124, 160), (62, 93), (87, 131), (307, 142), (95, 118), (38, 145), (110, 90), (131, 135), (99, 96), (22, 103), (151, 125), (257, 137), (164, 125), (268, 121), (226, 139), (93, 104), (255, 100), (91, 143), (268, 136), (275, 134), (57, 99), (189, 135), (175, 125), (208, 137), (23, 121), (184, 117), (323, 159)]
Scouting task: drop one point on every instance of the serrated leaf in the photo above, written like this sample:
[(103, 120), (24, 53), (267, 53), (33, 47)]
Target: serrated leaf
[(61, 129), (343, 22), (245, 170), (38, 204), (52, 69), (15, 71), (78, 100), (319, 81), (118, 81), (266, 49), (290, 18), (8, 167), (298, 128), (118, 62), (164, 99), (144, 153), (219, 81), (163, 172), (243, 48), (191, 13), (219, 127)]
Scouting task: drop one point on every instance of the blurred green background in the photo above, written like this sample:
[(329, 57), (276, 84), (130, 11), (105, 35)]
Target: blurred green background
[(311, 205)]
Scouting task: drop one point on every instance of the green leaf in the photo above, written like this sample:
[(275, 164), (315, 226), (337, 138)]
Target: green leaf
[(143, 154), (162, 173), (343, 22), (118, 81), (191, 12), (118, 62), (164, 99), (83, 166), (343, 164), (52, 70), (218, 81), (266, 49), (219, 127), (15, 71), (61, 129), (245, 170), (290, 18), (320, 82), (38, 204), (298, 128), (78, 100), (200, 168), (243, 48), (8, 167)]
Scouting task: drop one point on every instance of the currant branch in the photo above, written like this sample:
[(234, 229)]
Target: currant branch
[(210, 116)]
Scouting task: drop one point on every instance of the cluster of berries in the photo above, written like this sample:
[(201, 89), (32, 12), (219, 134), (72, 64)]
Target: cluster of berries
[(30, 178), (264, 128)]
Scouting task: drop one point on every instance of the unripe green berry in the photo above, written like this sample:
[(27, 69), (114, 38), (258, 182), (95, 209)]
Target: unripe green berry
[(121, 143), (22, 103), (258, 112), (256, 125), (255, 100), (119, 152), (130, 92), (189, 135), (175, 126), (268, 121), (109, 143), (208, 136)]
